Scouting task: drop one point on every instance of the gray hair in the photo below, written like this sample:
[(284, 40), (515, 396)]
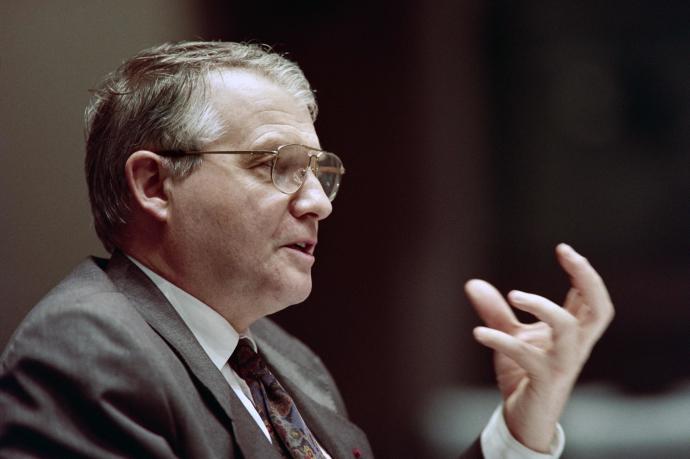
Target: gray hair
[(157, 101)]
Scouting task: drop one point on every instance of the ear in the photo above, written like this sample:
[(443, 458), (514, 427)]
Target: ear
[(146, 178)]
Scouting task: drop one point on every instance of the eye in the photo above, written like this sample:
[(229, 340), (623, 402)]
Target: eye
[(259, 160)]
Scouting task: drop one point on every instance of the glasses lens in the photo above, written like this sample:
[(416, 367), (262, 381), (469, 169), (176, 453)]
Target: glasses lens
[(292, 163), (330, 169), (290, 168)]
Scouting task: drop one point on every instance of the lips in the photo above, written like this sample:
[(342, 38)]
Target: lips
[(304, 246)]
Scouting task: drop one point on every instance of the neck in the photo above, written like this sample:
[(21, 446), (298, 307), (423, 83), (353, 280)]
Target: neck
[(239, 315)]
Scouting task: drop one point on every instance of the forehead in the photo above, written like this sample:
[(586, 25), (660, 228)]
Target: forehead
[(256, 112)]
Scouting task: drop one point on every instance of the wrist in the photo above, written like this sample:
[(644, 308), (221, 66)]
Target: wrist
[(533, 434), (532, 417), (498, 442)]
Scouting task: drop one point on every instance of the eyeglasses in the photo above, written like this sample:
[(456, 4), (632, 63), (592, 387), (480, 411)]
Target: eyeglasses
[(289, 165)]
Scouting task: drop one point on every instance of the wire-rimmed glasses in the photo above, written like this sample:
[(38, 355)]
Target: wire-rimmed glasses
[(289, 165)]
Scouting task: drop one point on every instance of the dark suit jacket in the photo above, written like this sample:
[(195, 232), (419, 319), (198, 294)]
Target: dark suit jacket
[(104, 367)]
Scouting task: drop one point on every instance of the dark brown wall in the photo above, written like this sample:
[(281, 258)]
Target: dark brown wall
[(476, 136), (52, 53)]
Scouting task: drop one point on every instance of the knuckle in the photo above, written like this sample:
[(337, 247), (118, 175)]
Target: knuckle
[(606, 312), (522, 348), (569, 322), (610, 313)]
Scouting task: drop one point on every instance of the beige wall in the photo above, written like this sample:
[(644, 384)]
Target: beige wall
[(51, 54)]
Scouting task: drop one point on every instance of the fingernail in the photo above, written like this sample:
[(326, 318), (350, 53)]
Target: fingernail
[(568, 250), (517, 296), (478, 332)]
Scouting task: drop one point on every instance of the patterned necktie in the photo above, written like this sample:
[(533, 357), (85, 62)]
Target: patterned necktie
[(275, 406)]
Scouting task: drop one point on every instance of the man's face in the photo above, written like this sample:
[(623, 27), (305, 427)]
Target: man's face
[(236, 238)]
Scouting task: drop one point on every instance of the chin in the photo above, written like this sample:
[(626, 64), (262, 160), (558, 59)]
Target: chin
[(291, 291)]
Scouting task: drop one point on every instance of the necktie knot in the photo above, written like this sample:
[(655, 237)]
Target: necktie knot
[(290, 434), (246, 362)]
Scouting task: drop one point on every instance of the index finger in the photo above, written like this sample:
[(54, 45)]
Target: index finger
[(586, 280), (491, 306)]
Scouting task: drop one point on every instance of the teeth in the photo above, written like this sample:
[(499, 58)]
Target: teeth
[(301, 245)]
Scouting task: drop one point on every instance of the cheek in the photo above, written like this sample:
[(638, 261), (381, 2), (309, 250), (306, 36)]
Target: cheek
[(234, 215), (262, 210), (248, 225)]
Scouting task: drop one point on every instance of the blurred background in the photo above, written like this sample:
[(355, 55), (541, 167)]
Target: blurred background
[(476, 135)]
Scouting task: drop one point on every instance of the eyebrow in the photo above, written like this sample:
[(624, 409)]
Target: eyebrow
[(271, 141)]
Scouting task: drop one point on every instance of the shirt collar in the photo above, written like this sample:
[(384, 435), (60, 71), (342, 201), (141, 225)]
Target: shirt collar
[(215, 334)]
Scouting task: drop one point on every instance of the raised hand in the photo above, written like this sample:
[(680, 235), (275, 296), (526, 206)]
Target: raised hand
[(537, 364)]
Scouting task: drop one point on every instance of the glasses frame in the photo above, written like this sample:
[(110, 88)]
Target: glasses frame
[(313, 156)]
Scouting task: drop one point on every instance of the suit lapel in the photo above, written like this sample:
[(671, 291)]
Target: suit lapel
[(336, 434), (163, 318)]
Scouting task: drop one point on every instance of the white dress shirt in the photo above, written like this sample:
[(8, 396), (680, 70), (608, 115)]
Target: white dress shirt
[(218, 339)]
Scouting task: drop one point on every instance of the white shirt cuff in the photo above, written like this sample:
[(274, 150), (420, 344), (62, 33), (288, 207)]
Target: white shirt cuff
[(498, 443)]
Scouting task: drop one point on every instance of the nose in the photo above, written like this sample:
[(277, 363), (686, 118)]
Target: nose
[(311, 199)]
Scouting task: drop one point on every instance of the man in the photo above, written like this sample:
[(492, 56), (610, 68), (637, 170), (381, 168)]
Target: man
[(207, 184)]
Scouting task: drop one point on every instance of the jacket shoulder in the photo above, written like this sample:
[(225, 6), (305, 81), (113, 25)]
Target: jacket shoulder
[(84, 302), (80, 367)]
